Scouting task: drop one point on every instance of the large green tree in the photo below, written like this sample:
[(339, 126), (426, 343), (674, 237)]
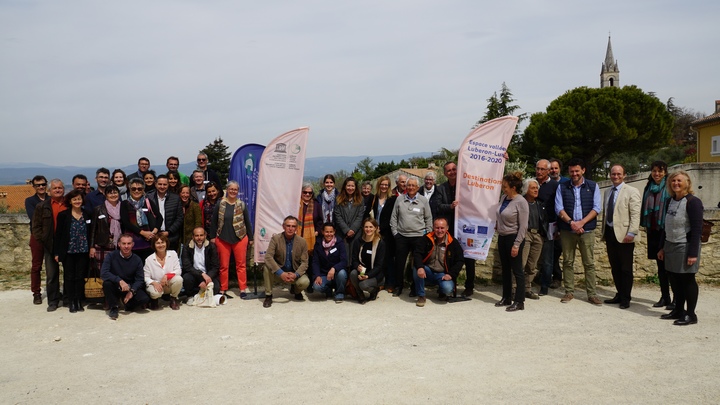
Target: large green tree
[(592, 124), (501, 106), (219, 158)]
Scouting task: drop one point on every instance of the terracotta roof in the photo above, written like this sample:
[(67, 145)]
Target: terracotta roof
[(14, 196), (707, 120)]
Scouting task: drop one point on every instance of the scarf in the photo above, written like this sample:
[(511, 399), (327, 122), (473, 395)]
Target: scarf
[(123, 192), (114, 214), (140, 216), (328, 204), (654, 200), (328, 245), (307, 230), (238, 221)]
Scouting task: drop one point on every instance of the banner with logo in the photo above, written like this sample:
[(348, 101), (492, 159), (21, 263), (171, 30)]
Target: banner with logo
[(244, 170), (479, 179), (279, 185)]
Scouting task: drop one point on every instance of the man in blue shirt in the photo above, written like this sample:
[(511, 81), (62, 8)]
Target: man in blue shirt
[(286, 261), (577, 204)]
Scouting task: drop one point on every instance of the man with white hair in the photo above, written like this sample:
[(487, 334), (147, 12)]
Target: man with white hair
[(400, 181), (429, 190)]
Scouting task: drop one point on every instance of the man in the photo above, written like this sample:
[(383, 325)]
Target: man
[(200, 264), (446, 209), (286, 260), (400, 181), (171, 211), (39, 183), (123, 276), (577, 205), (197, 190), (546, 195), (555, 174), (143, 167), (97, 197), (173, 163), (430, 192), (80, 182), (556, 171), (620, 227), (438, 259), (410, 220), (43, 230), (208, 173)]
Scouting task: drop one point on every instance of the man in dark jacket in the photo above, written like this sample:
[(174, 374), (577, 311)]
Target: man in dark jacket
[(438, 258), (43, 230), (170, 209), (200, 264), (39, 183), (122, 274)]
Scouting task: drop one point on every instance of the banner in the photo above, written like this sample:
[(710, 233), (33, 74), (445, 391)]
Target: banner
[(279, 185), (244, 170), (479, 179)]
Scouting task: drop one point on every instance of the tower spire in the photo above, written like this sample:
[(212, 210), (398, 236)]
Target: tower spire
[(610, 72)]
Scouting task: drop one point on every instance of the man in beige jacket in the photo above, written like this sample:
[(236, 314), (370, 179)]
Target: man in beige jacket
[(286, 261)]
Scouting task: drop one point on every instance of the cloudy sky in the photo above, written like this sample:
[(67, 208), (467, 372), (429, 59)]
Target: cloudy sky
[(102, 83)]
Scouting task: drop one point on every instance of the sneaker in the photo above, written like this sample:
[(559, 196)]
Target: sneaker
[(420, 302), (113, 313), (595, 300), (567, 298), (37, 299)]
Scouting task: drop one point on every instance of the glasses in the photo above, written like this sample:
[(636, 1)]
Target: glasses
[(40, 185), (136, 189), (202, 160), (307, 192)]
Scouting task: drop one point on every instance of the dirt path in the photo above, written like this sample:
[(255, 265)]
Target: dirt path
[(388, 351)]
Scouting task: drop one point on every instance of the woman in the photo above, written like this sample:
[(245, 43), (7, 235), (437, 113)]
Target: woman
[(655, 199), (149, 179), (231, 231), (140, 216), (72, 247), (348, 212), (191, 214), (310, 217), (174, 182), (536, 236), (382, 208), (327, 198), (119, 180), (207, 204), (681, 246), (106, 228), (162, 273), (367, 257), (367, 196), (512, 223), (329, 264)]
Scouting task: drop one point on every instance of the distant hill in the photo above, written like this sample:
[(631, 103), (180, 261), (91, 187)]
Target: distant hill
[(315, 168)]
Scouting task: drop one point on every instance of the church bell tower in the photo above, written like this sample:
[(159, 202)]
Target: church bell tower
[(610, 73)]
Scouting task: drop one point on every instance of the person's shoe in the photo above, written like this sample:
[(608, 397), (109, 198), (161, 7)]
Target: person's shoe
[(442, 297), (567, 298), (543, 291), (412, 293), (228, 297), (113, 314), (468, 292), (516, 306), (503, 302), (78, 306), (390, 290), (174, 304), (420, 302), (299, 297), (72, 307), (397, 292), (555, 284), (613, 300), (154, 304), (268, 301), (686, 320), (52, 308), (243, 294), (662, 302), (624, 305), (531, 295), (339, 299), (362, 302), (675, 314), (374, 295), (595, 300), (37, 299), (670, 306)]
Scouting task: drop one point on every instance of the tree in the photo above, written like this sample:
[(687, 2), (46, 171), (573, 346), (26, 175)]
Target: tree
[(681, 133), (219, 159), (500, 107), (592, 124), (365, 167)]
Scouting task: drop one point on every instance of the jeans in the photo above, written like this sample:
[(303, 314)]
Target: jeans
[(431, 278), (337, 283)]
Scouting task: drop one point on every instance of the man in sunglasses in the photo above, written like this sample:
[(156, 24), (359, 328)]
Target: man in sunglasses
[(39, 184), (208, 173)]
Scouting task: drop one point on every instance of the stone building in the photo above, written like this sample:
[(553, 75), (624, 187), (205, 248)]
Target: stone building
[(609, 72)]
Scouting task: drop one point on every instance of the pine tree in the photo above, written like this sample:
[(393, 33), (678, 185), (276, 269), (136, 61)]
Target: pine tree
[(219, 159)]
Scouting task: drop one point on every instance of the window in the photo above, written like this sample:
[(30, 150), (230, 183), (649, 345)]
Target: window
[(715, 146)]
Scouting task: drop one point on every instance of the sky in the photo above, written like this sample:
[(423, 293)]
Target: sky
[(94, 83)]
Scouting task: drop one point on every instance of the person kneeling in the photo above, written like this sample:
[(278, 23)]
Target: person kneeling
[(328, 264), (438, 259), (122, 274), (162, 273), (200, 264), (286, 260)]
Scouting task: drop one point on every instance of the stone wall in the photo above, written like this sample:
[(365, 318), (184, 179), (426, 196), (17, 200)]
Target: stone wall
[(14, 251)]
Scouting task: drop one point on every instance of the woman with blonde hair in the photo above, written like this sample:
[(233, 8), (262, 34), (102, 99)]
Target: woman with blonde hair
[(367, 257)]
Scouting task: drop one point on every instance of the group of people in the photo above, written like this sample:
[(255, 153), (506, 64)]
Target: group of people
[(351, 242)]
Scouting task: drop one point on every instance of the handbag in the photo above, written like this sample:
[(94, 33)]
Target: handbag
[(205, 297), (94, 287)]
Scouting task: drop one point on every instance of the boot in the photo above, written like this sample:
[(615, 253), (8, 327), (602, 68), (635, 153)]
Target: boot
[(73, 307), (78, 306)]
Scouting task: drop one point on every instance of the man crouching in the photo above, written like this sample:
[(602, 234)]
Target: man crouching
[(438, 259)]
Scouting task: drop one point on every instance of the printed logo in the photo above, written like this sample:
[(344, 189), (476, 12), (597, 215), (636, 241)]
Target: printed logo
[(262, 232), (468, 229), (482, 230), (294, 149), (281, 148)]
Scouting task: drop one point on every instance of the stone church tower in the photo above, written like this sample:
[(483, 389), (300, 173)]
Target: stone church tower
[(610, 73)]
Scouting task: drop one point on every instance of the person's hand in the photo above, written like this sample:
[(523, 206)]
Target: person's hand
[(363, 277), (250, 243), (92, 252), (124, 286), (203, 285), (318, 281), (628, 239), (157, 286), (691, 261), (57, 258), (576, 226), (454, 204), (212, 240), (447, 277), (350, 234), (206, 278), (128, 297), (331, 274), (288, 277), (421, 273), (661, 254), (163, 281), (514, 251)]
